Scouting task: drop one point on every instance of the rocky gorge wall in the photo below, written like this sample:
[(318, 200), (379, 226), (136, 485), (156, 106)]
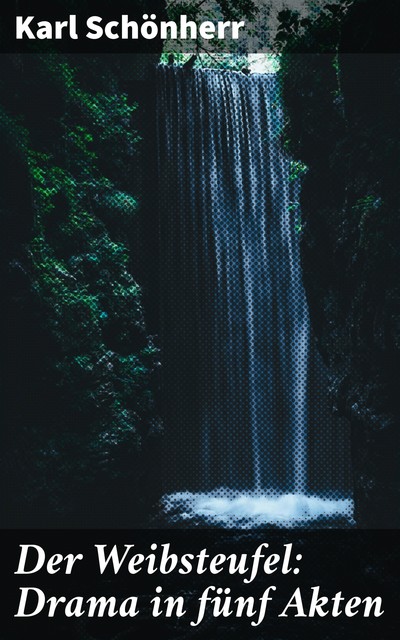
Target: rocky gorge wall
[(342, 122)]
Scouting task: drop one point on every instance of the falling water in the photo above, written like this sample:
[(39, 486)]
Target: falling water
[(236, 330)]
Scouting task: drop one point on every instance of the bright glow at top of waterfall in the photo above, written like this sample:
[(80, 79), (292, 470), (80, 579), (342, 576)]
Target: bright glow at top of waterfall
[(252, 62), (263, 63)]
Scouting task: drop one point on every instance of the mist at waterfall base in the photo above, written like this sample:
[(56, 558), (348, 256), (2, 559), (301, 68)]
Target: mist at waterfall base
[(250, 438)]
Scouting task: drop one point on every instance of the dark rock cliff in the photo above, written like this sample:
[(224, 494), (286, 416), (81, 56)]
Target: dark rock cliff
[(343, 124)]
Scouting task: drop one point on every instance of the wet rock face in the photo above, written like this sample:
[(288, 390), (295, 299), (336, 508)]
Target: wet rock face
[(343, 123)]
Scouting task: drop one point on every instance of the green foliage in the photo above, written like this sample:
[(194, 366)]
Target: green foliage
[(367, 203), (194, 9), (199, 10), (297, 169), (320, 28), (91, 307), (365, 208), (294, 208)]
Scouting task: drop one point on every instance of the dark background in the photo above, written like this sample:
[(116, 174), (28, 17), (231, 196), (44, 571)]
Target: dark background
[(354, 562)]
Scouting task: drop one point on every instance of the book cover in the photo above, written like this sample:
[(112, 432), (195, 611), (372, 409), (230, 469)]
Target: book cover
[(200, 319)]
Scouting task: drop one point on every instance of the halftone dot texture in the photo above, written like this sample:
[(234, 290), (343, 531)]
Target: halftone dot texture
[(249, 437)]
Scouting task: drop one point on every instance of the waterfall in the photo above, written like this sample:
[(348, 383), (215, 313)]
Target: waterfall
[(235, 321)]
